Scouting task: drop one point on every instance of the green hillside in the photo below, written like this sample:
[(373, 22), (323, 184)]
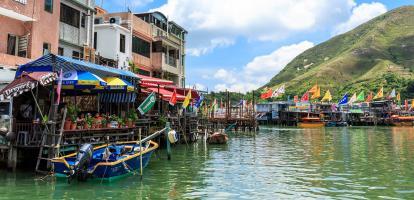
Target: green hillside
[(377, 53)]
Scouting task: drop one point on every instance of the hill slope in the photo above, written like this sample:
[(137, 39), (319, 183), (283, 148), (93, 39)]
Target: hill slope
[(377, 53)]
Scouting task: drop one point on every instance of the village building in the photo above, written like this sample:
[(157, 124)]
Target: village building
[(76, 29), (29, 29)]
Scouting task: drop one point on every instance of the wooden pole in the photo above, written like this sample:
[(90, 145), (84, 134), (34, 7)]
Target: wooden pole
[(167, 129), (140, 153)]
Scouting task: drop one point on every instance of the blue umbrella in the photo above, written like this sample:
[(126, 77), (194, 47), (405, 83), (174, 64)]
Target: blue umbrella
[(81, 79)]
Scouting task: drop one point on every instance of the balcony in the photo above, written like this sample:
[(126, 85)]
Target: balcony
[(160, 61), (69, 33), (141, 61)]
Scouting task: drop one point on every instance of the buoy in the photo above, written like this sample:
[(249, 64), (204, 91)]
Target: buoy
[(172, 136)]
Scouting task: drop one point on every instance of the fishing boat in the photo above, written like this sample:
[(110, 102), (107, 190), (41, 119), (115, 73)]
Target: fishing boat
[(218, 138), (311, 122), (397, 120), (104, 162)]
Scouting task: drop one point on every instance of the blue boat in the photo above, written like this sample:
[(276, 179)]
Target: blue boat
[(104, 162)]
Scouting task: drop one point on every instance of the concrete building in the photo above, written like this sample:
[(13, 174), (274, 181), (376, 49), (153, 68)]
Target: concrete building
[(28, 30), (130, 45), (76, 29), (168, 47)]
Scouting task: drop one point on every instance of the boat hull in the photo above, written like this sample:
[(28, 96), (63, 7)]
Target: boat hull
[(311, 124), (106, 170), (403, 123)]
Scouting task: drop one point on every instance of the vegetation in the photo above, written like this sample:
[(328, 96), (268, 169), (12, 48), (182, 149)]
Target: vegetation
[(377, 53)]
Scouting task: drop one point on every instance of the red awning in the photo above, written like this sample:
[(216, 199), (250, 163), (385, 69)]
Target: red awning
[(183, 91), (153, 82), (25, 83), (165, 94)]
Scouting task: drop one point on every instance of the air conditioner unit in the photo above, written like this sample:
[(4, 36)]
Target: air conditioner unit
[(115, 20)]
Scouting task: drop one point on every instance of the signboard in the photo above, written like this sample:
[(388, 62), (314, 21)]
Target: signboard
[(147, 104)]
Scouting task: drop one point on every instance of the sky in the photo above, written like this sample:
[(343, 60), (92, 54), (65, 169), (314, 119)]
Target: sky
[(239, 45)]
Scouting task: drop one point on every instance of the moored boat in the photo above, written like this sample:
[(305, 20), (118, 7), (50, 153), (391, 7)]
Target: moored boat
[(218, 138), (311, 122), (397, 120), (104, 162)]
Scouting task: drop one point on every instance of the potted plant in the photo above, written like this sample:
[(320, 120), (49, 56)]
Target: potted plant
[(121, 122), (88, 121), (113, 121), (132, 118), (70, 121), (104, 122)]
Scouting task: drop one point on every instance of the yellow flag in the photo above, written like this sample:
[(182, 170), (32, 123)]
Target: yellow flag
[(316, 94), (327, 96), (314, 89), (398, 97), (380, 93), (412, 103), (187, 99)]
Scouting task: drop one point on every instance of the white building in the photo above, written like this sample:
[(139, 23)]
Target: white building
[(112, 42), (76, 28)]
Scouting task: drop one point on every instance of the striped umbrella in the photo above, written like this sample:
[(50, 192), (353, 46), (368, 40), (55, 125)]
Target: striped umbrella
[(114, 83), (81, 79)]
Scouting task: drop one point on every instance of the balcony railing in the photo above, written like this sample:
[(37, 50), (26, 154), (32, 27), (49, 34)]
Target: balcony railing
[(171, 61)]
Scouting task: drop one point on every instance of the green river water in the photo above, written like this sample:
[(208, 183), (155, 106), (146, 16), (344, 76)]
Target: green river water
[(275, 163)]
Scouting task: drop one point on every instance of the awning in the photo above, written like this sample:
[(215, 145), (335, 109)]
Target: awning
[(15, 15), (44, 64), (151, 81), (165, 94), (25, 83), (118, 97)]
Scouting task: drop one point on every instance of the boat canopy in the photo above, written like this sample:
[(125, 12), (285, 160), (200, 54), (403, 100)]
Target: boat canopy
[(45, 63)]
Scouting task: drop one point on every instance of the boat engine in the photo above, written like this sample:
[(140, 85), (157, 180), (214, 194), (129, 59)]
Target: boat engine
[(80, 168)]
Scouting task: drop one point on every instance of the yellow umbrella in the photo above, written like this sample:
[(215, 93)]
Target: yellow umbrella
[(114, 83)]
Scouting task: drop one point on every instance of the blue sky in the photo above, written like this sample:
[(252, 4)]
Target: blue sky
[(239, 45)]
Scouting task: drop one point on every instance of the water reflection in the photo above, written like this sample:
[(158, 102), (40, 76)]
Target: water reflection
[(349, 162)]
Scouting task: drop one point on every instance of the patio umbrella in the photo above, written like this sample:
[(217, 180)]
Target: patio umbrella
[(114, 83), (81, 80), (26, 82)]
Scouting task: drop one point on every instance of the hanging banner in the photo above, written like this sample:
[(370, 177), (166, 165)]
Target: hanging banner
[(147, 104)]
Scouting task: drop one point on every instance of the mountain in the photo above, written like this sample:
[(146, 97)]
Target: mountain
[(377, 53)]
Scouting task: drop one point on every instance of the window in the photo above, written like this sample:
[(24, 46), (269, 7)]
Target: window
[(69, 15), (60, 51), (46, 48), (140, 46), (75, 55), (49, 6), (95, 39), (144, 72), (11, 44), (83, 19), (122, 43)]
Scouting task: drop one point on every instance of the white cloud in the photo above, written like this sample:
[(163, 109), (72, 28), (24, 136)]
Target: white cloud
[(360, 14), (260, 70), (217, 23)]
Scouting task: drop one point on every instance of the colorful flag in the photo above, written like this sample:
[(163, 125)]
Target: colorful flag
[(267, 94), (295, 98), (214, 105), (361, 96), (199, 101), (352, 99), (392, 94), (187, 99), (398, 97), (173, 99), (344, 100), (369, 97), (314, 89), (327, 96), (147, 104), (380, 93), (316, 94), (305, 97), (412, 103), (59, 86)]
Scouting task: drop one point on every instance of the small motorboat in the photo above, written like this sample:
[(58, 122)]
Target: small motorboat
[(336, 124), (104, 162), (217, 138), (311, 122), (397, 120)]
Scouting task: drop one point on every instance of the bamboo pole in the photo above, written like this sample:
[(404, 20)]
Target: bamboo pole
[(140, 154)]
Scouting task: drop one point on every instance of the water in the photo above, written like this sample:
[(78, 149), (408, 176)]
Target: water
[(339, 163)]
